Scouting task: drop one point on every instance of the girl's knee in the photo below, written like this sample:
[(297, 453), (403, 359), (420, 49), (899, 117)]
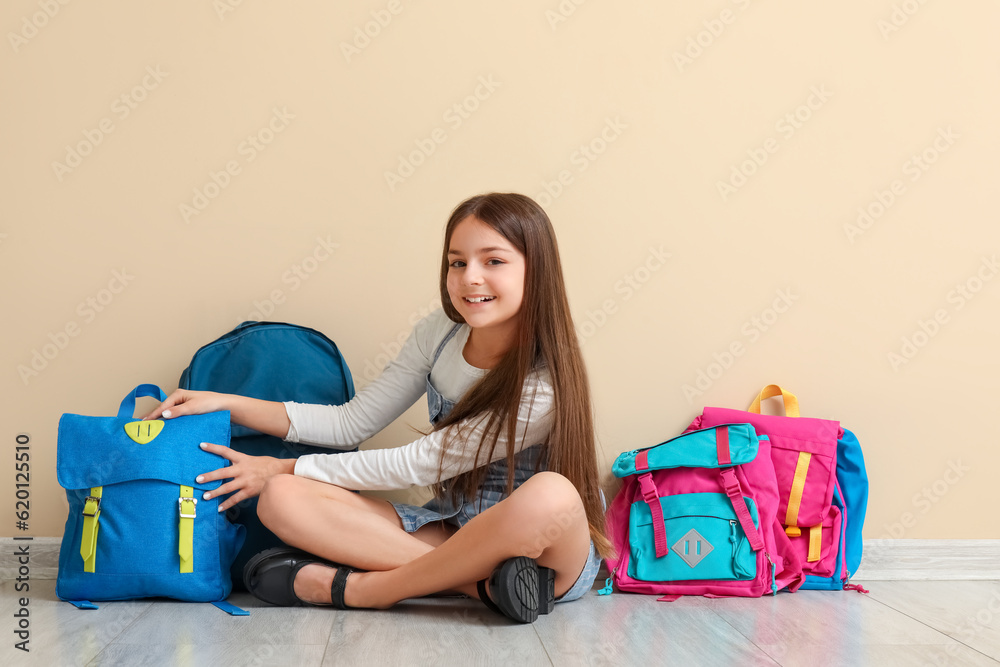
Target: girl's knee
[(547, 509), (274, 496), (553, 491)]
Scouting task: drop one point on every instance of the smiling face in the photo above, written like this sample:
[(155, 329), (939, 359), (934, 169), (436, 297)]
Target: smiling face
[(485, 277)]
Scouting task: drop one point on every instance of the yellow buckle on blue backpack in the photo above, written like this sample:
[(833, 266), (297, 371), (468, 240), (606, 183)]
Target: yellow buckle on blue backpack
[(91, 517), (187, 506)]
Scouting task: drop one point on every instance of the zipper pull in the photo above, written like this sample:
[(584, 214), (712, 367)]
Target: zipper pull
[(608, 589), (774, 569), (848, 586)]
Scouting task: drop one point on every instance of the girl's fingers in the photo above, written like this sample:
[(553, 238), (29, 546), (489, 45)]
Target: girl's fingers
[(233, 500), (229, 487), (158, 411), (215, 475), (230, 455)]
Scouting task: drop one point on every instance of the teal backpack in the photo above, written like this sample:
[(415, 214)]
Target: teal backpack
[(273, 361)]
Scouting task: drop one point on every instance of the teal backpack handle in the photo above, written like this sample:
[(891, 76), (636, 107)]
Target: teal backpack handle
[(127, 408)]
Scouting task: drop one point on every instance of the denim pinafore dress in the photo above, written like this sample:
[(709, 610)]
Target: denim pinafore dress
[(493, 489)]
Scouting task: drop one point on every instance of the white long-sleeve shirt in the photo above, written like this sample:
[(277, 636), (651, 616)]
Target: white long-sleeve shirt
[(401, 384)]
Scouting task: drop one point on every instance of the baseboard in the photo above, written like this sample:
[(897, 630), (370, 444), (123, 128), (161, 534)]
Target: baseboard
[(884, 560), (909, 560), (42, 561)]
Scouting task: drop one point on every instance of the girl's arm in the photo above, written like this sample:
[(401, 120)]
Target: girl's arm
[(337, 426), (417, 463), (376, 406), (265, 416)]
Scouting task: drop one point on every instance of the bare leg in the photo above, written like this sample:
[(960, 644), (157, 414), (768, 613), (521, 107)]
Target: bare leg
[(543, 519), (342, 526)]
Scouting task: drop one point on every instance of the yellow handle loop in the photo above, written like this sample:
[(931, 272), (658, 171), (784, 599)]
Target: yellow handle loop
[(771, 390)]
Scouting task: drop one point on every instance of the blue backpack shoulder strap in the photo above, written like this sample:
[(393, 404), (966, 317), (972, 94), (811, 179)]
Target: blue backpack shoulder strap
[(853, 480)]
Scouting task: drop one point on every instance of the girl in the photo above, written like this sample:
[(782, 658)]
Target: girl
[(517, 517)]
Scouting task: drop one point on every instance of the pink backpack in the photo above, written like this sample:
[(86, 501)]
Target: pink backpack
[(697, 515), (804, 456)]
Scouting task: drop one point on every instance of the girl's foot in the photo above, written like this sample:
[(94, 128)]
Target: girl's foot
[(312, 583), (290, 578), (519, 589)]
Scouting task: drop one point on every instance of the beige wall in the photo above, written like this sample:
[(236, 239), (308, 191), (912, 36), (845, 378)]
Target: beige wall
[(624, 119)]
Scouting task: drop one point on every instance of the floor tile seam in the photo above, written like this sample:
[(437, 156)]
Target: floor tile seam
[(541, 642), (928, 625), (741, 634), (111, 642)]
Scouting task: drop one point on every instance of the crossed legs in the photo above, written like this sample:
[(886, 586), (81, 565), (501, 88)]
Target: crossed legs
[(543, 519)]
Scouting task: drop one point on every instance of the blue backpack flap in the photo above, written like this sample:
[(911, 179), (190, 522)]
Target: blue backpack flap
[(272, 361), (851, 497), (138, 525)]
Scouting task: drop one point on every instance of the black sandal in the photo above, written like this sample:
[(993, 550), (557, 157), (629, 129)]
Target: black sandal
[(520, 589), (270, 577), (339, 586)]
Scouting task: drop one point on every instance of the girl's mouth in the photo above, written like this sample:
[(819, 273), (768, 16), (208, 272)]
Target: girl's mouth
[(479, 299)]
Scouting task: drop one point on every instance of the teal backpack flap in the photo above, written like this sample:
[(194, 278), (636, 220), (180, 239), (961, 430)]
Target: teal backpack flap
[(695, 449), (138, 525)]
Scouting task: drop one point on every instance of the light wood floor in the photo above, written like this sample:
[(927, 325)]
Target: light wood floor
[(899, 623)]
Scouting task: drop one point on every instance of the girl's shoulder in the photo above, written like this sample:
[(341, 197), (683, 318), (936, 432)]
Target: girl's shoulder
[(539, 382), (430, 330)]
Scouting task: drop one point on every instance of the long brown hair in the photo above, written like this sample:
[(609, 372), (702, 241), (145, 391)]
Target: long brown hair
[(545, 337)]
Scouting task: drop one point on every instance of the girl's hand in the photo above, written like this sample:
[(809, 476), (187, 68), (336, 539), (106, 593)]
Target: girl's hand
[(248, 474), (187, 402)]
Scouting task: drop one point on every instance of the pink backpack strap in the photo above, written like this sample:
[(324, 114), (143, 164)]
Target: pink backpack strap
[(652, 499), (722, 445), (642, 460), (735, 493)]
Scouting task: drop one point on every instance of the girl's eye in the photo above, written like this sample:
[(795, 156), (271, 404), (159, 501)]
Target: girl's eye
[(495, 262), (457, 264)]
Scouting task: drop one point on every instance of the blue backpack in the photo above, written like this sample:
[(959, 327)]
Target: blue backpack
[(272, 361), (138, 525), (850, 495)]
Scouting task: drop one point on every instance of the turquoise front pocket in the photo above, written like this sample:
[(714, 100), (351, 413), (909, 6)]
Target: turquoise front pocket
[(704, 536)]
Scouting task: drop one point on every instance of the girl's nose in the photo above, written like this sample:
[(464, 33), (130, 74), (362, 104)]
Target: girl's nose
[(473, 274)]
